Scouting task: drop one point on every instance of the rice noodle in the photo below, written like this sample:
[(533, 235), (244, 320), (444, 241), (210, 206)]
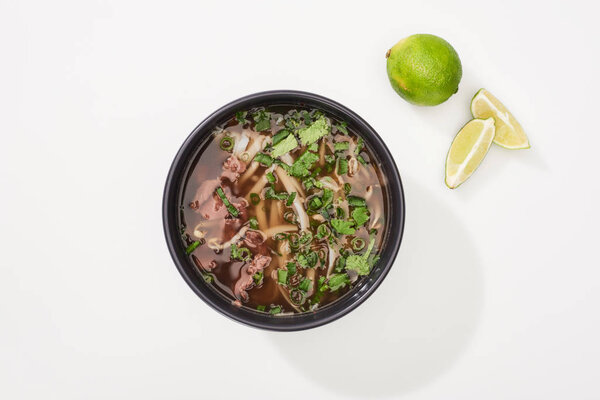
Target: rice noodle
[(310, 274), (216, 244), (261, 216), (261, 183), (274, 230), (283, 260), (322, 153), (241, 143), (298, 206), (331, 255)]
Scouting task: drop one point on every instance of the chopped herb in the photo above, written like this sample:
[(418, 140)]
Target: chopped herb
[(283, 147), (306, 117), (357, 244), (313, 147), (280, 236), (305, 285), (261, 308), (270, 177), (314, 131), (338, 281), (305, 238), (342, 166), (341, 146), (271, 194), (311, 258), (253, 223), (282, 276), (292, 120), (264, 159), (327, 197), (347, 188), (258, 278), (359, 146), (361, 159), (342, 127), (323, 231), (192, 247), (301, 167), (294, 240), (290, 217), (361, 263), (262, 119), (240, 253), (302, 260), (315, 203), (208, 278), (343, 227), (360, 215), (291, 267), (227, 143), (254, 199), (240, 116), (290, 199), (232, 210), (356, 201), (282, 134), (340, 264), (339, 212), (275, 310)]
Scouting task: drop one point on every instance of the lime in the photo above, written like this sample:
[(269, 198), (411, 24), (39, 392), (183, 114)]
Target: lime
[(468, 149), (424, 69), (509, 133)]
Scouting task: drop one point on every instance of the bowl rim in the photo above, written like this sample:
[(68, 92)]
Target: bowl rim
[(294, 322)]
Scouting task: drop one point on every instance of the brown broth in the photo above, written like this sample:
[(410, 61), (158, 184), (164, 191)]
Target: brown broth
[(218, 267)]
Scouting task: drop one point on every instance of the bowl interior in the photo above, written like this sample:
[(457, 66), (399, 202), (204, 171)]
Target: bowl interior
[(393, 229)]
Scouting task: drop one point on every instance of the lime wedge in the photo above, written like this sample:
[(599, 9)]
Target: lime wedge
[(468, 149), (509, 133)]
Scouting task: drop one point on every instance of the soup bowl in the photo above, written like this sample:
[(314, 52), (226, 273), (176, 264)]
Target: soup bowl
[(393, 226)]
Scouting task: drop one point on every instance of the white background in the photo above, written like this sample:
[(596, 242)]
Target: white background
[(496, 290)]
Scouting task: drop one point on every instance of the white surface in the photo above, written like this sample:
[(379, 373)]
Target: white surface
[(494, 295)]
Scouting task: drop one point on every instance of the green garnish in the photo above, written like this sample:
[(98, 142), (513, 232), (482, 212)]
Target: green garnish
[(315, 203), (254, 199), (192, 247), (240, 116), (275, 310), (253, 223), (208, 278), (306, 117), (338, 281), (290, 217), (314, 131), (357, 244), (282, 276), (360, 215), (327, 197), (356, 201), (342, 127), (290, 199), (305, 285), (258, 277), (232, 210), (227, 143), (280, 236), (270, 177), (282, 134), (311, 258), (343, 227), (313, 147), (305, 238), (339, 212), (342, 166), (347, 188), (301, 167), (340, 146), (291, 267), (359, 146), (361, 159), (302, 260), (262, 119), (264, 159), (360, 263), (323, 231), (261, 308), (240, 253), (284, 146), (271, 194)]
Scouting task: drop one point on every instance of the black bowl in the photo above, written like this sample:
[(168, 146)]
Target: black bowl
[(393, 228)]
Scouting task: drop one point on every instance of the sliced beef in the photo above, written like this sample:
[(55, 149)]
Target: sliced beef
[(232, 168), (259, 262)]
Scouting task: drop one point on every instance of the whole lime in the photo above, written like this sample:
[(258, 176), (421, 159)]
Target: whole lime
[(424, 69)]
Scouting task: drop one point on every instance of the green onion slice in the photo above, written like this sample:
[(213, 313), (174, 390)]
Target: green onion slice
[(254, 199), (357, 244), (232, 210), (227, 143)]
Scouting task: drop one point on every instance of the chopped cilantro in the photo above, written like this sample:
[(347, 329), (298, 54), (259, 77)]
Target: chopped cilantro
[(262, 119), (360, 215), (361, 263), (270, 193), (284, 146), (290, 199), (314, 131), (302, 260), (342, 127), (343, 227), (275, 310), (240, 116), (253, 223), (327, 197), (270, 177), (313, 147), (264, 159), (301, 167), (338, 281)]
